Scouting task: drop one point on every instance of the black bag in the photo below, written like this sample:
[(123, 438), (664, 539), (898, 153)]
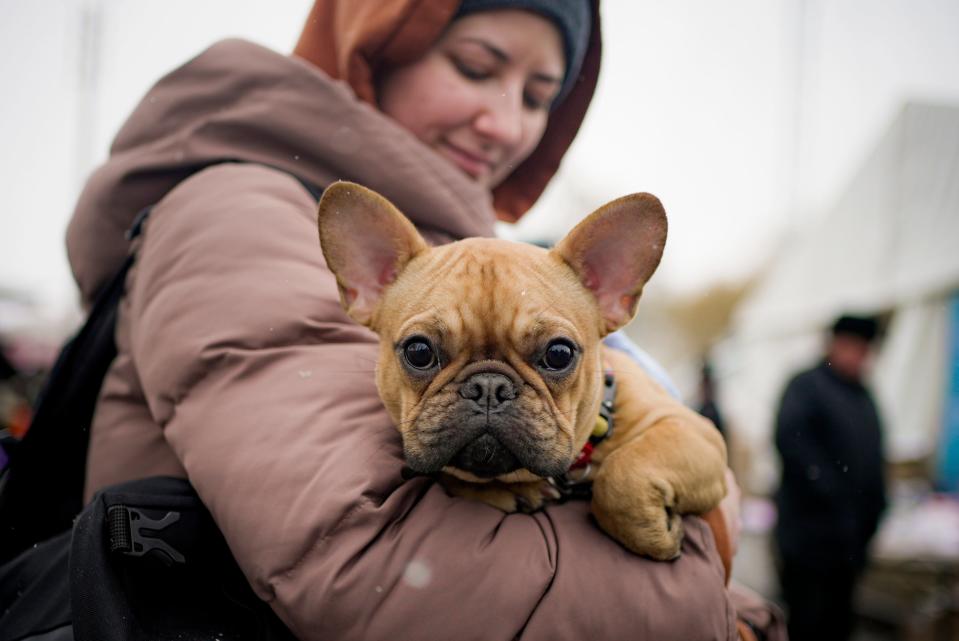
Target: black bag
[(42, 488), (144, 560)]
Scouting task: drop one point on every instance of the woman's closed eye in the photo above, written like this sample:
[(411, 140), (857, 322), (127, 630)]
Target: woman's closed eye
[(536, 98), (532, 100), (471, 71), (541, 90)]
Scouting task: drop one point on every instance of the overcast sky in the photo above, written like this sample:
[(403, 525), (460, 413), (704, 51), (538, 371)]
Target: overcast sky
[(746, 118)]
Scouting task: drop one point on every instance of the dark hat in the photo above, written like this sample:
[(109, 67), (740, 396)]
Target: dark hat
[(866, 327), (572, 17)]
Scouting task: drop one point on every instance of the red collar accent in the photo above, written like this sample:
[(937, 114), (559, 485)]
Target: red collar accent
[(585, 456)]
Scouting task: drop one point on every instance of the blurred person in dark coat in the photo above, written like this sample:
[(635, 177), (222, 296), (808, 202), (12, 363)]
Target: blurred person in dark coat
[(832, 491)]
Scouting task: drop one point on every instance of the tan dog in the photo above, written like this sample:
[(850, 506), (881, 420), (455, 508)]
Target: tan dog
[(492, 366)]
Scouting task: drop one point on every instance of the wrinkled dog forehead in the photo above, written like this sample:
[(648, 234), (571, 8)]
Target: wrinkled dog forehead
[(490, 295)]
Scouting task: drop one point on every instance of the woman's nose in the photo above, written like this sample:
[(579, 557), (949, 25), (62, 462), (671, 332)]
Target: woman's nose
[(501, 118)]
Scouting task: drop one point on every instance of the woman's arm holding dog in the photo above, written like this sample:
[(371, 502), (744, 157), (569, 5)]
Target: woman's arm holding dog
[(265, 391)]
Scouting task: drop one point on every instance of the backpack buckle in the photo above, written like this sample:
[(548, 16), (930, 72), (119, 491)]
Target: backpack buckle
[(130, 531)]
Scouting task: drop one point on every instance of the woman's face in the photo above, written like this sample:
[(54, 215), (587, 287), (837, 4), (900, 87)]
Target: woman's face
[(480, 97)]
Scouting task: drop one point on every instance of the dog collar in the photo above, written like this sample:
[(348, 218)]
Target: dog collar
[(603, 428), (575, 482)]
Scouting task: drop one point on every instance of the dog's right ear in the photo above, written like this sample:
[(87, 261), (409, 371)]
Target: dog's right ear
[(367, 242)]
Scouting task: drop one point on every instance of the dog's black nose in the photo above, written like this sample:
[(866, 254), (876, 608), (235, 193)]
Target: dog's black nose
[(488, 389)]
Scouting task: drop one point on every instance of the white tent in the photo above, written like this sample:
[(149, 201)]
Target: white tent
[(890, 244)]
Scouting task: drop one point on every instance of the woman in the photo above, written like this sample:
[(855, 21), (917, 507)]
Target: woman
[(238, 370)]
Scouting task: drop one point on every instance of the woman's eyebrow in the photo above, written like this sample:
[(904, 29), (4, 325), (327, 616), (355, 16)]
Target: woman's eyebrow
[(545, 77), (503, 57), (496, 52)]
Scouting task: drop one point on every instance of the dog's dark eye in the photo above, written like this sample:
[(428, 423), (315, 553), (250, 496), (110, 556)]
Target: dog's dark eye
[(419, 353), (559, 355)]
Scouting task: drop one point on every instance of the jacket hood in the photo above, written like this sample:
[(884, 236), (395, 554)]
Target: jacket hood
[(238, 101), (353, 39)]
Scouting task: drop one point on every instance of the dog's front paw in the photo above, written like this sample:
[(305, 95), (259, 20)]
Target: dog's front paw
[(645, 519)]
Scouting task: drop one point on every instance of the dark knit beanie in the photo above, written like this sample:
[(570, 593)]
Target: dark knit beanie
[(572, 17), (865, 327)]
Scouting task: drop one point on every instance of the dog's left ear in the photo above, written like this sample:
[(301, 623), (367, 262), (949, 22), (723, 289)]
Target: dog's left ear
[(614, 251), (367, 242)]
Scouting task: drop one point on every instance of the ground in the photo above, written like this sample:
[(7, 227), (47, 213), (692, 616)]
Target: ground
[(907, 601)]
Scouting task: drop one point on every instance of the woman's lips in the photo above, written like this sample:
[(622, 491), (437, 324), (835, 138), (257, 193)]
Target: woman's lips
[(475, 166)]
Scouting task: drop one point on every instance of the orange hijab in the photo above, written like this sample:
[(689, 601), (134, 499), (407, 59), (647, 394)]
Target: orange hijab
[(352, 39)]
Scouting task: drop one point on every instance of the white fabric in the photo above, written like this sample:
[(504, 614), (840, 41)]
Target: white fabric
[(890, 238), (910, 377), (619, 340), (888, 245)]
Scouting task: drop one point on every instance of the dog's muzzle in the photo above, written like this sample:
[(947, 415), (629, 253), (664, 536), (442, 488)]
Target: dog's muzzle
[(485, 457), (485, 433), (486, 396)]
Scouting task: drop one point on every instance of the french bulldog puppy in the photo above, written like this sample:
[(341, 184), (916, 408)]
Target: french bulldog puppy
[(491, 363)]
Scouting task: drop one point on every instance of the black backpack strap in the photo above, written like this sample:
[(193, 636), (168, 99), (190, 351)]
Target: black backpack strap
[(43, 484), (41, 490), (316, 192), (35, 593)]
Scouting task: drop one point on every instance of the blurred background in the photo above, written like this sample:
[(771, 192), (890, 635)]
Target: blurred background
[(807, 153)]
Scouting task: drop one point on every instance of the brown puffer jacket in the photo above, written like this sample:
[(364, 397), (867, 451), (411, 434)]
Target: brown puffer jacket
[(238, 370)]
